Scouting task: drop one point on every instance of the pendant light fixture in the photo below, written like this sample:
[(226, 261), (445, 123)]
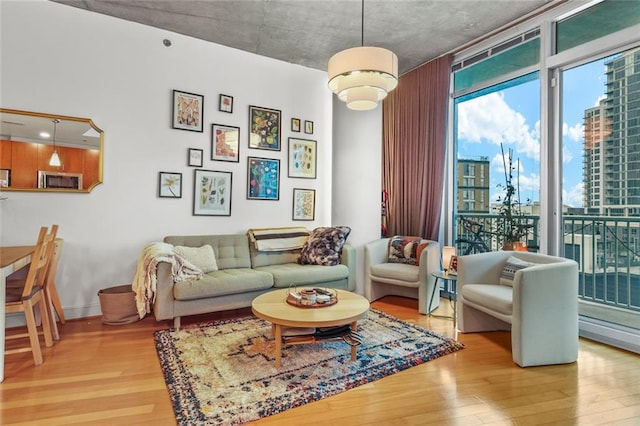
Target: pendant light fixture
[(363, 76), (55, 158)]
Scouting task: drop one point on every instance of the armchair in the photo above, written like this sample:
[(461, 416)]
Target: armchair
[(383, 278), (537, 300)]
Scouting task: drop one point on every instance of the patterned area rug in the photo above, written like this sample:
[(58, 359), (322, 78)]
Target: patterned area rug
[(223, 372)]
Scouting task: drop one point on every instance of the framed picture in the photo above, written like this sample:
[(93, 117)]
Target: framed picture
[(188, 110), (453, 266), (170, 185), (5, 178), (264, 128), (211, 193), (308, 126), (194, 157), (304, 204), (263, 178), (225, 143), (295, 124), (302, 158), (226, 103)]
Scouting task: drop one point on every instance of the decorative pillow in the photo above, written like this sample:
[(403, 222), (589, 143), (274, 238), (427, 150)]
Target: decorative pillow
[(404, 250), (421, 247), (324, 246), (201, 257), (510, 268)]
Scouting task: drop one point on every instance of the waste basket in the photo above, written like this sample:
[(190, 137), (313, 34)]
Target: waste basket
[(118, 305)]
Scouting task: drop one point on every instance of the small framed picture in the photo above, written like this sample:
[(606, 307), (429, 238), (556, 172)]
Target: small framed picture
[(295, 124), (170, 185), (226, 103), (264, 128), (225, 143), (263, 178), (453, 266), (302, 158), (5, 178), (304, 204), (308, 126), (188, 110), (211, 193), (194, 157)]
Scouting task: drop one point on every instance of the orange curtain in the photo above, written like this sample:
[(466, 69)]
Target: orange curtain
[(413, 152)]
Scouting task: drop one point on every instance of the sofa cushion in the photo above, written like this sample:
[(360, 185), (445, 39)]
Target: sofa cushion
[(231, 250), (396, 271), (403, 249), (293, 274), (324, 246), (498, 298), (510, 268), (223, 282), (202, 258)]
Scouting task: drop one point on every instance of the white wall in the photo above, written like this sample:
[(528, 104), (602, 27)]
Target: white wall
[(357, 176), (59, 59)]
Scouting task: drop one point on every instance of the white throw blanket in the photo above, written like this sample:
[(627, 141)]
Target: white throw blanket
[(145, 278)]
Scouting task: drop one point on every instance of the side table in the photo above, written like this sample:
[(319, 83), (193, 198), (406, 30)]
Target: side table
[(446, 277)]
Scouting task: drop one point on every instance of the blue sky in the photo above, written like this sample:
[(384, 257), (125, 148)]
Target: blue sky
[(512, 116)]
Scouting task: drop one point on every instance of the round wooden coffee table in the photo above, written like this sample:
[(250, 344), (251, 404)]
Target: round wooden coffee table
[(273, 307)]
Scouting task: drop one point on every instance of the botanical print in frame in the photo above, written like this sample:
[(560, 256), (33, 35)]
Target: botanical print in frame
[(263, 178), (302, 158), (304, 204), (226, 103), (211, 193), (308, 126), (188, 110), (169, 185), (194, 157), (225, 143), (295, 124), (264, 128)]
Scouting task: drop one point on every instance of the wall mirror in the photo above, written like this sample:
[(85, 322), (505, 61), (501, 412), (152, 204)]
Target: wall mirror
[(48, 152)]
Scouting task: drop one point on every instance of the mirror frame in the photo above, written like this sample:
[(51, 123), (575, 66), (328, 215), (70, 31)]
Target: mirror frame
[(62, 118)]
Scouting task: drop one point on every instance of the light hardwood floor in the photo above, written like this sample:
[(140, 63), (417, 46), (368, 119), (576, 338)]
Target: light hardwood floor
[(109, 375)]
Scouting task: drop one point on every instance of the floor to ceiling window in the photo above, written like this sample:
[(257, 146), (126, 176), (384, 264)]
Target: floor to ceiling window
[(490, 125), (601, 184), (577, 163)]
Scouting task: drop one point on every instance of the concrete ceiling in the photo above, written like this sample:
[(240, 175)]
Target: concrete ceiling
[(309, 32)]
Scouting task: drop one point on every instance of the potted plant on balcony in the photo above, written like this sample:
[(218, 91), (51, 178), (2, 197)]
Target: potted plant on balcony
[(511, 226)]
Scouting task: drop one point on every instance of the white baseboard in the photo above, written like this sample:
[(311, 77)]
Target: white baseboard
[(74, 312), (610, 334)]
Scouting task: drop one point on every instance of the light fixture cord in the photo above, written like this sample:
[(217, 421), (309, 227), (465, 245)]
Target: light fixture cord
[(55, 126), (362, 26)]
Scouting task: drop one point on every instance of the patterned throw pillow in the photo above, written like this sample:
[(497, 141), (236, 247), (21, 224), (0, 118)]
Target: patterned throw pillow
[(510, 268), (405, 249), (324, 246)]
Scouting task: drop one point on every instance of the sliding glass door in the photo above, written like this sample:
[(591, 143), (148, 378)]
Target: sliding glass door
[(601, 183)]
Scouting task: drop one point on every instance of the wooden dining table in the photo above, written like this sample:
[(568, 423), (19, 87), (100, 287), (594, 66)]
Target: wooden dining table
[(12, 258)]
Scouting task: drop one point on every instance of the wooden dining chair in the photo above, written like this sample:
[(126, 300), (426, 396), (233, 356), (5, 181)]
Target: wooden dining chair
[(25, 298), (51, 293)]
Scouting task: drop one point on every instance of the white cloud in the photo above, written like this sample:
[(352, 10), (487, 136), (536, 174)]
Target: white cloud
[(573, 196), (601, 97), (489, 118), (574, 133)]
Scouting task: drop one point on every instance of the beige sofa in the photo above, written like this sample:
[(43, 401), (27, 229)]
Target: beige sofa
[(243, 273)]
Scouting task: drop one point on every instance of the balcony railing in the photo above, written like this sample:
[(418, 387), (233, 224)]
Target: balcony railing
[(607, 250)]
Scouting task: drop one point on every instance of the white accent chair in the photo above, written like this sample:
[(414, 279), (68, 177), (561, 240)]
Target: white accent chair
[(383, 278), (540, 307)]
